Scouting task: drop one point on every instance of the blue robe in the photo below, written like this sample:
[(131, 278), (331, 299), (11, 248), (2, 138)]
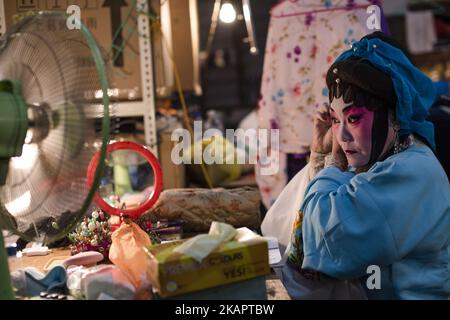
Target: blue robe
[(396, 216)]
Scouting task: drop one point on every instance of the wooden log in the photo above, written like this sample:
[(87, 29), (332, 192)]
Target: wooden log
[(239, 207)]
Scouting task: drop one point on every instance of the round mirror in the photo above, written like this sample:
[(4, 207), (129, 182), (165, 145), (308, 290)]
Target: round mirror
[(131, 182)]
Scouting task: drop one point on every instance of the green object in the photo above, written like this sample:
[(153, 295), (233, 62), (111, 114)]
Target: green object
[(13, 124), (122, 181), (4, 163), (6, 292), (13, 129)]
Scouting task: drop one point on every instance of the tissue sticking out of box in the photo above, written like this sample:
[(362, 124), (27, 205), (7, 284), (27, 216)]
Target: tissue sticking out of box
[(202, 245), (242, 257)]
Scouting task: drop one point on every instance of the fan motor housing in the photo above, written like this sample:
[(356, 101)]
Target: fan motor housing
[(13, 124)]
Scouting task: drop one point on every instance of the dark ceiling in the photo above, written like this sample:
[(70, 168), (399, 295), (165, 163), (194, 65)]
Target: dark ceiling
[(232, 84)]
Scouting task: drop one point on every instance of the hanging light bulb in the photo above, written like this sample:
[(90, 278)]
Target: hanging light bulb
[(227, 13)]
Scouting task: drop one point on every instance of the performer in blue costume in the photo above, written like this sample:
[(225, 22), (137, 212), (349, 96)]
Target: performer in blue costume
[(379, 200)]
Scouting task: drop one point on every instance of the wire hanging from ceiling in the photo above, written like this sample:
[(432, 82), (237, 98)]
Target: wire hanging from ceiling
[(212, 29)]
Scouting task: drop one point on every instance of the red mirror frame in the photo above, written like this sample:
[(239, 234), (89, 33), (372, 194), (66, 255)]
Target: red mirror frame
[(158, 183)]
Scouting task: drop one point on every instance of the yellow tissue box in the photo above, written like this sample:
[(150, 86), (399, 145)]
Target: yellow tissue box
[(172, 273)]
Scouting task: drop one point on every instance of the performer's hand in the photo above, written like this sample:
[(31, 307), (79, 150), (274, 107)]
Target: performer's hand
[(339, 156), (322, 136)]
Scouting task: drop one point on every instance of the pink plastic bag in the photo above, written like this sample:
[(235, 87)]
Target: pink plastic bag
[(127, 253)]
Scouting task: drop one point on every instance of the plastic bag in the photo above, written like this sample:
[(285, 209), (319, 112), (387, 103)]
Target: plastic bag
[(127, 253), (280, 218), (221, 152)]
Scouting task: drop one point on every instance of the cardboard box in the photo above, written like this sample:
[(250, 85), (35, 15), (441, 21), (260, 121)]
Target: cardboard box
[(99, 16), (179, 22), (186, 42), (245, 257), (174, 176), (180, 26)]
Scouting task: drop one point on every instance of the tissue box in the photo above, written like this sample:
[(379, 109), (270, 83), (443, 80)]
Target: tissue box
[(172, 273)]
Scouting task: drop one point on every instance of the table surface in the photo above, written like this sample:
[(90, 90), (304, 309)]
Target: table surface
[(37, 262), (275, 288)]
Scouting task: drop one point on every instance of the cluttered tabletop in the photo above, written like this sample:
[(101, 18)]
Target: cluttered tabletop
[(142, 242), (274, 289)]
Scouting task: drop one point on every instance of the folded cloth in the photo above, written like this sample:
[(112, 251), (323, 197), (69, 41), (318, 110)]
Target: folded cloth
[(108, 282), (99, 283), (31, 282)]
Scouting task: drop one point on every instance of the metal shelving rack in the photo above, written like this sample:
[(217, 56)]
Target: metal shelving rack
[(146, 107)]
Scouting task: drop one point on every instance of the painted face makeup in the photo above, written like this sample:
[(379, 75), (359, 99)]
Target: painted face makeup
[(352, 126)]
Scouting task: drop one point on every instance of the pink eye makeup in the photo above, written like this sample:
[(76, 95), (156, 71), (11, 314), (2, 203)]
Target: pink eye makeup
[(355, 114), (354, 118), (352, 115)]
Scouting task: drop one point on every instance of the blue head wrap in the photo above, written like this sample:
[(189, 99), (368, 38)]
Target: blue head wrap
[(415, 91)]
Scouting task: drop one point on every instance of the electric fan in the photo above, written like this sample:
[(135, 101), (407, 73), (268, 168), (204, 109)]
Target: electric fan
[(51, 81)]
